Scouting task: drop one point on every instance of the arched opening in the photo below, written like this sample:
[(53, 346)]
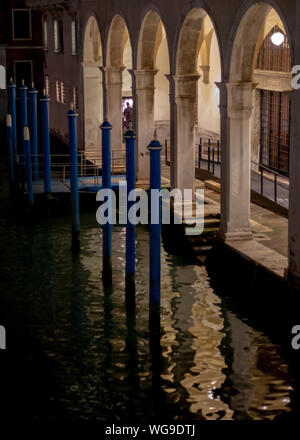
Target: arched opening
[(198, 68), (271, 119), (92, 80), (118, 81), (152, 87), (257, 116)]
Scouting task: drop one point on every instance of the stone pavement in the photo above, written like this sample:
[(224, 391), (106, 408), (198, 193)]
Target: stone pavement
[(269, 247)]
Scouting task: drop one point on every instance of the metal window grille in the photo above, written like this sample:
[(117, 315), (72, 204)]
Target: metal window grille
[(275, 131), (47, 85), (62, 93), (274, 58), (58, 95), (75, 98)]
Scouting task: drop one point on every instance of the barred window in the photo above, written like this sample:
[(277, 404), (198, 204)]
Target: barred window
[(58, 36), (75, 98), (47, 85), (62, 93), (272, 57), (58, 96)]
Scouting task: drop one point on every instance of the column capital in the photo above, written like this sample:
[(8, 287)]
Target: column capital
[(205, 70), (91, 64), (112, 74), (240, 99), (144, 78), (185, 85)]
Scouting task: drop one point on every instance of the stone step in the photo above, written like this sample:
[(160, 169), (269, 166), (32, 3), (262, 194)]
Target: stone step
[(202, 249)]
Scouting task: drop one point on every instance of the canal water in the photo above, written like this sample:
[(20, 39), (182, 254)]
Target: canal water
[(73, 353)]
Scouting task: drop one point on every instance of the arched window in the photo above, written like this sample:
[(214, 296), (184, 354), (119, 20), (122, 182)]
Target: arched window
[(58, 36), (274, 56), (74, 37), (45, 32)]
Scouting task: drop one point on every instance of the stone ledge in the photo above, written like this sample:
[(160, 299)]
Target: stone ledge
[(259, 254)]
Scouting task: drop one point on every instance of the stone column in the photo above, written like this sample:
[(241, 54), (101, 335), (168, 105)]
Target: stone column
[(3, 92), (236, 110), (173, 125), (184, 151), (144, 110), (92, 105), (293, 272), (112, 86)]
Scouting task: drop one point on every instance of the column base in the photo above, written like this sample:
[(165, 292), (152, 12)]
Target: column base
[(235, 235)]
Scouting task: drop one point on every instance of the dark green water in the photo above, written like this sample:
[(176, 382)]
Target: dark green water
[(72, 353)]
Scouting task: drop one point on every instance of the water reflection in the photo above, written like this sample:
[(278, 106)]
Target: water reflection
[(208, 363)]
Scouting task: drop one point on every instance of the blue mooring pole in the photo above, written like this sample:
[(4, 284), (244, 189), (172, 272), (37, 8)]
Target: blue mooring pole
[(72, 123), (28, 166), (12, 110), (130, 227), (9, 132), (33, 130), (155, 229), (106, 184), (46, 143), (23, 118)]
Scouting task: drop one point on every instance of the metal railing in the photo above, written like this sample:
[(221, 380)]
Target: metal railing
[(207, 154), (89, 165), (274, 177), (208, 151)]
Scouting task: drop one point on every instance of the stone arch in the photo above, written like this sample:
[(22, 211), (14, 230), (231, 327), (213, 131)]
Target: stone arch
[(153, 68), (238, 100), (247, 39), (150, 38), (117, 72), (197, 31), (92, 84), (191, 39), (118, 36), (92, 47)]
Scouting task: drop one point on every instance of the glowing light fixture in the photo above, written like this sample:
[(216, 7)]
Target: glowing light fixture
[(277, 38)]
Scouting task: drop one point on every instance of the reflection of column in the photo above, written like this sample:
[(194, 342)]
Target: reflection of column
[(113, 103), (261, 392), (236, 110), (144, 95), (206, 374), (184, 154)]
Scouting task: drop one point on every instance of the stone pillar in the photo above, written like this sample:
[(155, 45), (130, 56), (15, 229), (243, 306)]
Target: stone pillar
[(236, 110), (184, 147), (92, 105), (144, 110), (173, 125), (293, 272), (112, 86), (3, 92)]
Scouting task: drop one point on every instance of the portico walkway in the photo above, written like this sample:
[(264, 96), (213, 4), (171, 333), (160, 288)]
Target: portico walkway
[(269, 247)]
